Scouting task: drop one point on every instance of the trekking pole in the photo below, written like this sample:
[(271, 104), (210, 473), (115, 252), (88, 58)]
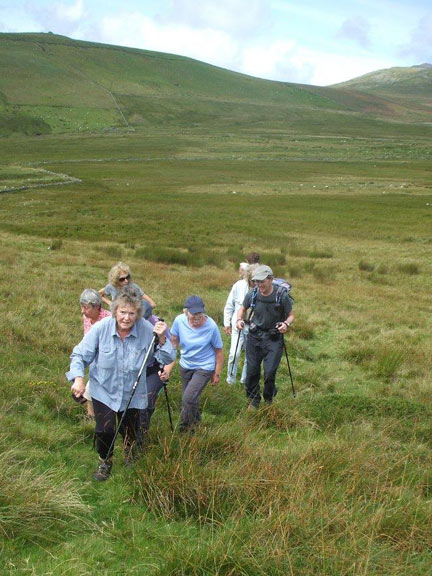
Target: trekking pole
[(153, 343), (235, 354), (168, 404), (289, 368)]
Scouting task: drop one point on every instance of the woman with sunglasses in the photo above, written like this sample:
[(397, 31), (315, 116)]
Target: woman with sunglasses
[(119, 277)]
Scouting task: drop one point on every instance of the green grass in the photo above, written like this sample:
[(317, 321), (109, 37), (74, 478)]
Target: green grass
[(84, 86), (336, 481)]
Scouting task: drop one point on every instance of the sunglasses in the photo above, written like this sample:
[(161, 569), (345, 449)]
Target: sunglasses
[(124, 278)]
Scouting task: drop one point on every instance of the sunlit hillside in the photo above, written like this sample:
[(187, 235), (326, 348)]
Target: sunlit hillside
[(50, 83)]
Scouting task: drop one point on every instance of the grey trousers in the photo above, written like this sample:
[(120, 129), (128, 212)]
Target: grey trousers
[(193, 383)]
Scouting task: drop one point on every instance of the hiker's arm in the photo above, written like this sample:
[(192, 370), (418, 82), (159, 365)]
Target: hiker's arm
[(285, 324), (240, 315), (219, 365)]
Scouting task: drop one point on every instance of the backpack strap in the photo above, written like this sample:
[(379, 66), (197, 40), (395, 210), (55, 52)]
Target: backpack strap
[(254, 297)]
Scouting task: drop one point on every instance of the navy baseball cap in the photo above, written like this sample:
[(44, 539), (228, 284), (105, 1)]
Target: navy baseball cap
[(194, 304)]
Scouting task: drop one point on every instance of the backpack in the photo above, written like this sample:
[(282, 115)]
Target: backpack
[(282, 287)]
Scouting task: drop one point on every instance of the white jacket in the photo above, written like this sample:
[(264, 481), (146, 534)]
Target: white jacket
[(234, 301)]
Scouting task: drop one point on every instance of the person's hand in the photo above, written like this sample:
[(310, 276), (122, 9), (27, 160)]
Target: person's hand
[(215, 378), (164, 374), (227, 330), (282, 327), (160, 329), (240, 324), (78, 387)]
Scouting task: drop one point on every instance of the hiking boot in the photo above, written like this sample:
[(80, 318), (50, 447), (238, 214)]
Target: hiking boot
[(103, 470)]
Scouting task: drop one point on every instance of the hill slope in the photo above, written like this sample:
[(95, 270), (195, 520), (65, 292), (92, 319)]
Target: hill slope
[(52, 83), (410, 87)]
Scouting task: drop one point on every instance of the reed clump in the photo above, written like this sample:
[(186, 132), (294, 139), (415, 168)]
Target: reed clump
[(36, 505)]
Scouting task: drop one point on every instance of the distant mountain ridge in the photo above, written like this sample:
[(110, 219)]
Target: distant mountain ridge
[(51, 83), (413, 76)]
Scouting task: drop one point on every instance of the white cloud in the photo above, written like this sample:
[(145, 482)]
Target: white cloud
[(356, 29), (233, 16), (69, 12), (291, 62), (282, 60), (420, 45), (138, 31), (332, 68), (70, 19), (277, 39)]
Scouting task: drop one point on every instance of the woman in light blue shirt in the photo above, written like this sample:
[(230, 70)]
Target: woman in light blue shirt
[(115, 349), (201, 357)]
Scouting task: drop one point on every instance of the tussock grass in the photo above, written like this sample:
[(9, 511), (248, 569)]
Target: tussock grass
[(56, 244), (321, 253), (193, 256), (38, 506), (320, 494), (324, 274), (304, 329), (366, 266), (410, 268)]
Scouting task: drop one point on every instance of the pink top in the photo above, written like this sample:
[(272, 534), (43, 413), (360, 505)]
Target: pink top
[(87, 324)]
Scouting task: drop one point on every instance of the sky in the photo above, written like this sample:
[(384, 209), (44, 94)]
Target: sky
[(309, 42)]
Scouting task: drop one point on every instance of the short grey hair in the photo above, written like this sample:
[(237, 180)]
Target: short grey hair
[(127, 296), (90, 297)]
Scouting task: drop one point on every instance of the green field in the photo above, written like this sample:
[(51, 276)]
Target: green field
[(335, 482)]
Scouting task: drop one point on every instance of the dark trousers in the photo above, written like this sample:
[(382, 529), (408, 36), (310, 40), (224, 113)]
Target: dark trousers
[(106, 422), (154, 386), (193, 383), (261, 349)]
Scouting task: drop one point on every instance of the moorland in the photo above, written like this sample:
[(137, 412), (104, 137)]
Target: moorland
[(180, 168)]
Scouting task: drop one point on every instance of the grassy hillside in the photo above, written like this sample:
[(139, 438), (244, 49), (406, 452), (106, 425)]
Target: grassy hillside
[(51, 83), (334, 482), (211, 166), (411, 87)]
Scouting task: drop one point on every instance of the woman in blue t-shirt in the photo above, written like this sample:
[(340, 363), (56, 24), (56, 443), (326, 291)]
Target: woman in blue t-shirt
[(201, 357)]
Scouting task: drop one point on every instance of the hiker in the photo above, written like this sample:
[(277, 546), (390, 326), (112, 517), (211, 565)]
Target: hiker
[(92, 312), (253, 258), (156, 377), (119, 277), (201, 358), (269, 318), (115, 349), (234, 301)]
